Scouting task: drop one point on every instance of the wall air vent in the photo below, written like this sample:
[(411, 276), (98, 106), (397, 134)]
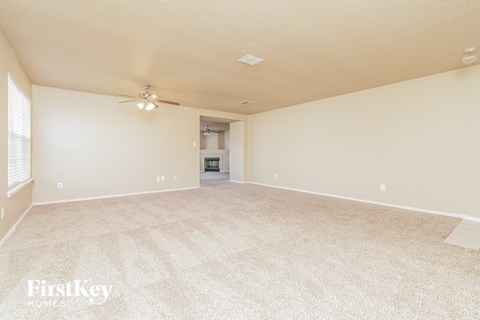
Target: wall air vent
[(250, 60)]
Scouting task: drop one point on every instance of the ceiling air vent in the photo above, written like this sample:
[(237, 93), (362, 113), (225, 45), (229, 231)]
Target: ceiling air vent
[(245, 102), (250, 60)]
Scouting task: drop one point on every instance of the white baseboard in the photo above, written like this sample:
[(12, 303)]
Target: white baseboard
[(14, 227), (110, 196), (236, 181), (442, 213), (448, 214)]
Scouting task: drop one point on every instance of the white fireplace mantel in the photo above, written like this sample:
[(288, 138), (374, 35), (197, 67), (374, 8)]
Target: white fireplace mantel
[(222, 154)]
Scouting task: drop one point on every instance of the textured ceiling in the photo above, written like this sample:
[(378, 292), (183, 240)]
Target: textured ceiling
[(189, 49)]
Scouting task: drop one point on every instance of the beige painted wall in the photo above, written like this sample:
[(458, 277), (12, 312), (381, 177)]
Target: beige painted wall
[(19, 202), (215, 141), (238, 171), (211, 141), (97, 147), (226, 139), (420, 137)]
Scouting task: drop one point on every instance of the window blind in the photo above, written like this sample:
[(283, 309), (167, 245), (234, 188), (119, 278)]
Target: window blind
[(19, 117)]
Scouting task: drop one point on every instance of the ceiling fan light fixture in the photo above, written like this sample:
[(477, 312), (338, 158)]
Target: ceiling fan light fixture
[(470, 55), (146, 101), (206, 131), (149, 106)]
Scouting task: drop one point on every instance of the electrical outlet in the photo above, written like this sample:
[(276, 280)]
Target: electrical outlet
[(174, 178), (60, 185), (3, 213), (275, 176), (383, 187), (194, 143)]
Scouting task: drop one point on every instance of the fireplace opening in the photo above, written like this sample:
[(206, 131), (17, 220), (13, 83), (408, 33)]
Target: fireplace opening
[(212, 164)]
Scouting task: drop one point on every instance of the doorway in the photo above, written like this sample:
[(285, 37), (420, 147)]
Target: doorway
[(219, 151)]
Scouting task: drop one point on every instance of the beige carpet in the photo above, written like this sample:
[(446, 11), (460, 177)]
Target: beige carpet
[(231, 251)]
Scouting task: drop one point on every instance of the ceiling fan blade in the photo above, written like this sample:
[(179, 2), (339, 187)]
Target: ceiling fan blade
[(168, 102), (129, 100), (126, 96)]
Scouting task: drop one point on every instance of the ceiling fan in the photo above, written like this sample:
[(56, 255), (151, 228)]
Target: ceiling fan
[(147, 100), (207, 131)]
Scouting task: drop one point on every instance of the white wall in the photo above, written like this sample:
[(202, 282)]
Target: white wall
[(98, 147), (419, 137), (20, 201)]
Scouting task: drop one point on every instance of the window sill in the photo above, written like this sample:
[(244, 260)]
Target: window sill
[(18, 187)]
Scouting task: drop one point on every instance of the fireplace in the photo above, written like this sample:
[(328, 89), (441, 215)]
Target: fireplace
[(212, 164)]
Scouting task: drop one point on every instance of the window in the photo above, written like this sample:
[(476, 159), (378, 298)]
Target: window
[(19, 109)]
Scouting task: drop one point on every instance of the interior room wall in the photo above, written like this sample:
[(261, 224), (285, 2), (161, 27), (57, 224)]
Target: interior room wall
[(211, 141), (214, 141), (421, 138), (203, 141), (20, 201), (238, 151), (97, 147), (221, 140), (226, 139)]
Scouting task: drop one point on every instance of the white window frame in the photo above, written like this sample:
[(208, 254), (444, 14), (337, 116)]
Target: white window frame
[(25, 135)]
